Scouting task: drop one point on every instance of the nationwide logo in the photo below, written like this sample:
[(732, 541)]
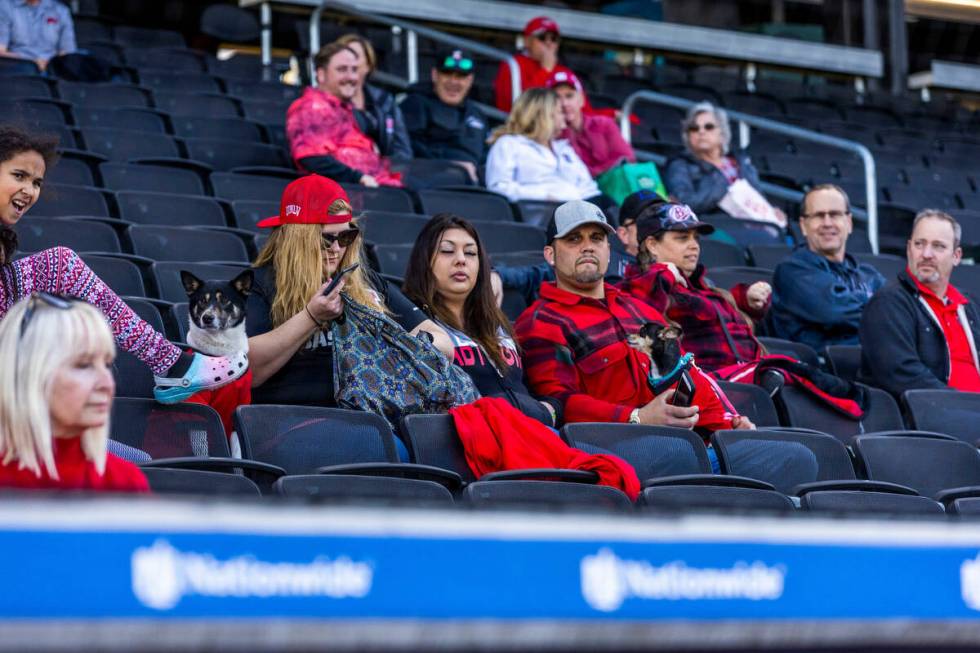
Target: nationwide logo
[(607, 581), (970, 582), (162, 576), (293, 209)]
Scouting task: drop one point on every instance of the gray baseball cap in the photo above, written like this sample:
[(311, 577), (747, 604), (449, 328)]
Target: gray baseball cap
[(571, 215)]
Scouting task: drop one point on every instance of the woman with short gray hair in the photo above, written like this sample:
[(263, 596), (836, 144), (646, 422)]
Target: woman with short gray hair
[(702, 175)]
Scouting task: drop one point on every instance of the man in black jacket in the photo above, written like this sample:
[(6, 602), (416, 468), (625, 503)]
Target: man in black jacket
[(442, 123), (920, 331)]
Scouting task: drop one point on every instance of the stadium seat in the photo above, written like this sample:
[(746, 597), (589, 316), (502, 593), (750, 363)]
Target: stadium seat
[(235, 187), (169, 81), (716, 498), (392, 259), (728, 277), (873, 503), (536, 212), (434, 172), (228, 155), (545, 495), (752, 401), (375, 490), (187, 243), (798, 350), (143, 37), (68, 137), (58, 200), (119, 274), (166, 58), (797, 408), (472, 206), (715, 253), (888, 265), (141, 207), (786, 459), (387, 228), (249, 212), (844, 360), (655, 452), (71, 170), (27, 86), (509, 237), (201, 483), (10, 66), (34, 111), (768, 256), (103, 95), (125, 145), (262, 91), (40, 233), (383, 198), (264, 111), (928, 465), (226, 128), (129, 118), (133, 377), (166, 276), (964, 506), (150, 178), (943, 411), (198, 104)]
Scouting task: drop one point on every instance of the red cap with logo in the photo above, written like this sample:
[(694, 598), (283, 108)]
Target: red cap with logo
[(540, 25), (307, 201), (559, 77)]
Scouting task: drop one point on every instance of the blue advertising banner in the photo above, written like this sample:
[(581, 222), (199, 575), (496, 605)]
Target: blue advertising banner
[(171, 560)]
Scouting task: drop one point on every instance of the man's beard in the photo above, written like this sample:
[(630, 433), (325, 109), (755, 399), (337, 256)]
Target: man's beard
[(927, 277), (588, 277)]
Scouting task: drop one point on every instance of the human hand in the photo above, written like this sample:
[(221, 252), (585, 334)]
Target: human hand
[(470, 168), (781, 215), (440, 339), (497, 286), (369, 181), (326, 308), (660, 412), (757, 295), (742, 423)]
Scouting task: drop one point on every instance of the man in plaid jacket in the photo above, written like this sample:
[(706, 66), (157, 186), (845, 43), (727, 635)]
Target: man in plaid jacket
[(574, 338)]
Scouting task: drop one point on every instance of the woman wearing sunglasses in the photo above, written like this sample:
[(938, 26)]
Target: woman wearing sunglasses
[(701, 176), (315, 238), (24, 159), (56, 391)]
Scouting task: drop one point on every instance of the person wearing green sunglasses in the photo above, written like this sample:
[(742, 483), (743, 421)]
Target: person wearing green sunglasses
[(442, 122)]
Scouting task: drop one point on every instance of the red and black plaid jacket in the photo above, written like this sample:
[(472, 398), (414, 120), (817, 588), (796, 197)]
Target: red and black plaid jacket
[(575, 350), (700, 311)]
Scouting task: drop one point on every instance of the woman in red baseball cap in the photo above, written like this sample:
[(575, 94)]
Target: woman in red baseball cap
[(315, 236)]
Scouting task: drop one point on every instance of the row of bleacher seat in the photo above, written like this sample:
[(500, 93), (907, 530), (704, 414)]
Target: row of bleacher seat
[(283, 441)]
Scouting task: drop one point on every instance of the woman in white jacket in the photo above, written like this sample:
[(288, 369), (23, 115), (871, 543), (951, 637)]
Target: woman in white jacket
[(528, 162)]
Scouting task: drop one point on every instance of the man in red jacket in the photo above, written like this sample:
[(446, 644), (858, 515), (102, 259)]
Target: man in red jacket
[(538, 60), (574, 338)]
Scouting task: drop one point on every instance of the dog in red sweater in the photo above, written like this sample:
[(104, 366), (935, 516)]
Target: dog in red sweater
[(217, 328)]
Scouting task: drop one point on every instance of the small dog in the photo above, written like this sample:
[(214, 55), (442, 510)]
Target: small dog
[(217, 313), (660, 343)]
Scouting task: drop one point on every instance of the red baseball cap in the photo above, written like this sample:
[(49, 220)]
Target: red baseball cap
[(306, 201), (559, 77), (540, 25)]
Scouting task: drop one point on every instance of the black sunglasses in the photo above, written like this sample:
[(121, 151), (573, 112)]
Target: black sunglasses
[(346, 237), (54, 301), (548, 37), (708, 127)]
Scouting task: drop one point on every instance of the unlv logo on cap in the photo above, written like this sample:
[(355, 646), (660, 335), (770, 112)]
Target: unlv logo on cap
[(292, 209), (680, 213)]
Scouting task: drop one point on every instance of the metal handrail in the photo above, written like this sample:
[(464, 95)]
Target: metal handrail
[(746, 120), (413, 29)]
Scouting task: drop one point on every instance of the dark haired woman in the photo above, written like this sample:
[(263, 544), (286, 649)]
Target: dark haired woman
[(449, 277), (24, 159)]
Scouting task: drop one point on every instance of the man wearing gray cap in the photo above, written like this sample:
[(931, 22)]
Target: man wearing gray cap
[(574, 338)]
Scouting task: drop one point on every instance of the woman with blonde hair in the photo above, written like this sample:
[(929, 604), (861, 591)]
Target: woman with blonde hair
[(527, 160), (56, 391), (316, 237)]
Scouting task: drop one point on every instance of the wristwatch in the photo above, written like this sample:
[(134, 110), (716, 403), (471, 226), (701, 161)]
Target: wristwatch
[(635, 416)]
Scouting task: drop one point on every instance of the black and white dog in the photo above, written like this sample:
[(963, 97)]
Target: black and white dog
[(217, 313)]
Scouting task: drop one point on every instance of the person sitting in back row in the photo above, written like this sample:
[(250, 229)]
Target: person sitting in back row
[(324, 135), (442, 122), (39, 30)]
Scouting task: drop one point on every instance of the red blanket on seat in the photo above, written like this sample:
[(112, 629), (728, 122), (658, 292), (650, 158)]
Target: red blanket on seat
[(497, 437)]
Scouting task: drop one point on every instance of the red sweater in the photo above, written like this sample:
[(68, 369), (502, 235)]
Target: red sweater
[(533, 75), (76, 472)]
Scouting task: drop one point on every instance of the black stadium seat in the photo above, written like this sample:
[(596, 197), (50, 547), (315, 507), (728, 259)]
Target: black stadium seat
[(72, 171), (197, 104), (59, 200), (228, 155), (186, 243), (547, 495), (943, 411), (728, 277), (393, 259), (197, 482), (388, 228), (38, 233), (141, 207), (928, 465), (751, 401), (150, 178), (128, 118), (103, 95), (844, 360), (237, 187), (142, 37), (797, 350), (22, 86), (715, 253), (35, 111), (126, 145), (178, 82), (797, 408), (509, 237), (119, 274), (875, 503), (226, 128), (383, 198), (716, 498), (472, 206), (168, 58), (347, 489)]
